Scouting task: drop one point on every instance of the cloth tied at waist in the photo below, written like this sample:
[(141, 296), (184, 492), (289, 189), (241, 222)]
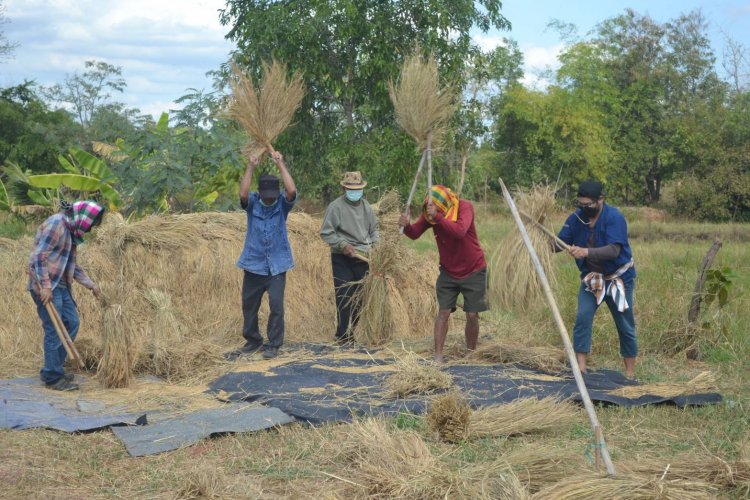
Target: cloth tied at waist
[(611, 285)]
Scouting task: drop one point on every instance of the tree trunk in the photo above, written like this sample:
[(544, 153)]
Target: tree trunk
[(464, 159)]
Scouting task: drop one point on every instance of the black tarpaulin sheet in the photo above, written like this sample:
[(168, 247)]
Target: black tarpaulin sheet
[(26, 404), (178, 432), (327, 388)]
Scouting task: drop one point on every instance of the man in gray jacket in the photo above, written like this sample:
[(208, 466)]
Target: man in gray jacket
[(350, 229)]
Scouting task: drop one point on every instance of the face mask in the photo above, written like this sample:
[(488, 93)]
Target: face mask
[(354, 195), (590, 212), (268, 204)]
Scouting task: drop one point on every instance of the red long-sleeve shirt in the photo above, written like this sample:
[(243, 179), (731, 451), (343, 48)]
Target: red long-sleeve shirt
[(457, 242)]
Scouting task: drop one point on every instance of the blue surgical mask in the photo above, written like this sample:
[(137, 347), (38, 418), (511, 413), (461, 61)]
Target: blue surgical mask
[(354, 195)]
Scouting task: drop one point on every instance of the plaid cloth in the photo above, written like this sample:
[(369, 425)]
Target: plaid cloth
[(596, 283), (80, 218), (53, 258), (446, 201)]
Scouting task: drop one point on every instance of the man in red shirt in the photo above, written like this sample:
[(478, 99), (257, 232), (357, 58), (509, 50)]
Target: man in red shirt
[(462, 265)]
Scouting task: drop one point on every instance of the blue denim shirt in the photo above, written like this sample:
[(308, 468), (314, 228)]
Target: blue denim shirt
[(267, 251), (611, 227)]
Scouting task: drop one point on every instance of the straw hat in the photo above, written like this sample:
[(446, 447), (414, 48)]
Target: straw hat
[(353, 180)]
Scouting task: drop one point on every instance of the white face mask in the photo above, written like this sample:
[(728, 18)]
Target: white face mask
[(354, 195)]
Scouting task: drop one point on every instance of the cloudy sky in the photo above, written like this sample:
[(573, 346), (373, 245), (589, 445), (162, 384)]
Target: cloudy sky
[(166, 46)]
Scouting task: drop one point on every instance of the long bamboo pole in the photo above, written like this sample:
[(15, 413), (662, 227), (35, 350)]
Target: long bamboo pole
[(52, 313), (414, 187), (546, 231), (76, 355), (429, 162), (588, 405)]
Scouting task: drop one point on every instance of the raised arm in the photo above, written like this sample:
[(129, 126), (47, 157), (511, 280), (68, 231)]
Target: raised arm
[(290, 189), (247, 179)]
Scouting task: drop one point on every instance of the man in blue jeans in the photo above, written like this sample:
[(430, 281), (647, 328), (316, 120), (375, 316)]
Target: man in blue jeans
[(52, 268), (266, 256), (598, 237)]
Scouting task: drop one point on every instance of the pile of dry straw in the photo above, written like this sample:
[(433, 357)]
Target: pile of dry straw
[(173, 294)]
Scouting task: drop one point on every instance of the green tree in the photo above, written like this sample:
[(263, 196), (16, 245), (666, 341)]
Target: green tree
[(6, 46), (347, 51)]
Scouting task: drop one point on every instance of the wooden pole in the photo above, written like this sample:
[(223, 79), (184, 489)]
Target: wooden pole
[(546, 231), (429, 162), (413, 188), (588, 405), (695, 303), (52, 313)]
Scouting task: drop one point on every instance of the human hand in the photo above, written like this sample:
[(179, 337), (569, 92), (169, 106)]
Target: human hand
[(349, 250), (403, 220), (578, 252), (45, 295), (277, 157), (96, 291), (254, 160), (431, 210)]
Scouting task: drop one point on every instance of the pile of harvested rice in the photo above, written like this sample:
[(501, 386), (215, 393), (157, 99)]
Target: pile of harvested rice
[(694, 467), (180, 292), (448, 417), (623, 487), (513, 281), (115, 367), (703, 383), (548, 359), (414, 375), (522, 416), (390, 463)]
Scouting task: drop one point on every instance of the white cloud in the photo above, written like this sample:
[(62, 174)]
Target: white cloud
[(489, 42)]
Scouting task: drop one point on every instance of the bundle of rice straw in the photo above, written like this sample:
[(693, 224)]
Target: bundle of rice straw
[(513, 281), (385, 463), (522, 416), (548, 359), (267, 111), (623, 487), (413, 376), (703, 383), (115, 367), (383, 314), (538, 467), (422, 106), (449, 417), (700, 467)]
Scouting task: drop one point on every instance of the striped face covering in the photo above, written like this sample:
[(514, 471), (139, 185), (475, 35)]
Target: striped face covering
[(80, 217), (446, 201)]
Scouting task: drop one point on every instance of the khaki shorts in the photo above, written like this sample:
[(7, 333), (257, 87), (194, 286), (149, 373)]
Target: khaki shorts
[(473, 288)]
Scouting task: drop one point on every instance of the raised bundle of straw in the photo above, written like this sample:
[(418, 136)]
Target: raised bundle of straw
[(703, 383), (389, 463), (115, 367), (267, 111), (548, 359), (413, 376), (623, 487), (422, 106), (513, 281), (449, 417), (522, 416)]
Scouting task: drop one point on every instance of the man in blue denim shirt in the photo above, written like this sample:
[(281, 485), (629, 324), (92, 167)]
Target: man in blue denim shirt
[(598, 237), (266, 256)]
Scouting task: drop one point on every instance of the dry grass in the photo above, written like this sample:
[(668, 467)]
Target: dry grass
[(513, 281), (626, 488), (522, 416), (115, 367), (703, 383), (539, 465), (414, 376), (266, 111), (449, 417), (422, 106), (694, 467), (548, 359)]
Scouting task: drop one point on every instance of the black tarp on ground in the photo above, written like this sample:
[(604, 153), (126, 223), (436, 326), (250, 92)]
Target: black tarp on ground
[(26, 404), (321, 390), (173, 433)]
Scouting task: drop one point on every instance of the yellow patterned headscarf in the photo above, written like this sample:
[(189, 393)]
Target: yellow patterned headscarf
[(446, 201)]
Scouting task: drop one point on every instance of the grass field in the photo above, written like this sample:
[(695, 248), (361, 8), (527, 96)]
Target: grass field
[(298, 461)]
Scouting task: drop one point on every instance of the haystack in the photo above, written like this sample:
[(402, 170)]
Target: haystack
[(624, 487), (390, 463), (179, 290), (267, 111), (115, 366), (414, 375), (513, 281), (548, 359), (703, 383)]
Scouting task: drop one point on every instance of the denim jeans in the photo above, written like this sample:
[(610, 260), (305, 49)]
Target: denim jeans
[(347, 273), (54, 352), (253, 288), (624, 321)]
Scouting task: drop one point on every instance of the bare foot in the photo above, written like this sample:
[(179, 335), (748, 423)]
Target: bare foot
[(439, 359), (630, 375)]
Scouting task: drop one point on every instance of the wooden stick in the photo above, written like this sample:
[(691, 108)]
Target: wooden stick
[(70, 346), (588, 405), (413, 188), (361, 257), (429, 163), (695, 302), (52, 313), (544, 229)]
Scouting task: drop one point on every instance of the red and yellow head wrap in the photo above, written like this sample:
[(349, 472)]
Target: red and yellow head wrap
[(445, 200)]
